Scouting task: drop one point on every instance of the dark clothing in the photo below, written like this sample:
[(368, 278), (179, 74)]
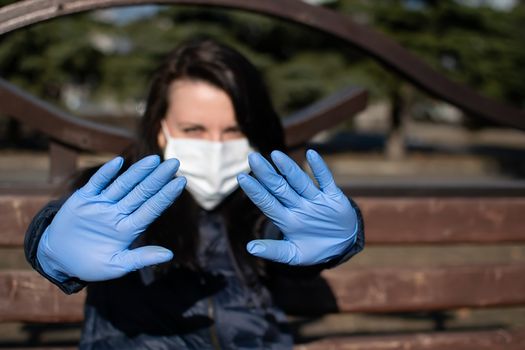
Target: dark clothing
[(216, 308)]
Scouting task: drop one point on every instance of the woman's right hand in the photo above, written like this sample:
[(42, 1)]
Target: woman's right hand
[(90, 236)]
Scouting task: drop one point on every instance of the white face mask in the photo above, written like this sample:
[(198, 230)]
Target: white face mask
[(210, 168)]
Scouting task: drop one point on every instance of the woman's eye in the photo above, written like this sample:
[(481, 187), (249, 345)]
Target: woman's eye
[(233, 131), (193, 130)]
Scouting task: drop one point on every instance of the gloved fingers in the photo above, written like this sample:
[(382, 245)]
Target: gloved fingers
[(102, 177), (322, 174), (152, 184), (272, 181), (131, 177), (296, 177), (281, 251), (140, 219), (135, 259), (260, 196)]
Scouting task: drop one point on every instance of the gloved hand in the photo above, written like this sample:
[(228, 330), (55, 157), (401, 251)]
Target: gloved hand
[(317, 223), (90, 235)]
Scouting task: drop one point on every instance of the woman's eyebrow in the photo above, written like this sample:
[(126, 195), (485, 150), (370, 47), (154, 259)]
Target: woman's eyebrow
[(188, 123)]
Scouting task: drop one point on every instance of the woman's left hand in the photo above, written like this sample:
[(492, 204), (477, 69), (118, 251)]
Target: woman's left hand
[(318, 224)]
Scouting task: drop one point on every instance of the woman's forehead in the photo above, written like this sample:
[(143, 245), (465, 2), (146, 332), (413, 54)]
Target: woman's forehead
[(198, 102)]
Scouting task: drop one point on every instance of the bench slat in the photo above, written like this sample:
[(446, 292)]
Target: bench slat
[(466, 340), (405, 289), (443, 220), (473, 340), (25, 296), (16, 212), (46, 348), (424, 220)]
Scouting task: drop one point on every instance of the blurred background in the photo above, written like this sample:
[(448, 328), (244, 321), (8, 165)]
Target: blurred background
[(97, 65)]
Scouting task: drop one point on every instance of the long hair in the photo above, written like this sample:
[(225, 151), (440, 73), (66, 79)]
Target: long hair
[(227, 69)]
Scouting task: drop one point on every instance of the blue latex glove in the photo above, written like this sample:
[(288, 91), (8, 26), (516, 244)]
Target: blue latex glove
[(90, 235), (317, 223)]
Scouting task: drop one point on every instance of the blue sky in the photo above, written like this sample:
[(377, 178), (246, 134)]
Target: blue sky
[(130, 13), (127, 13)]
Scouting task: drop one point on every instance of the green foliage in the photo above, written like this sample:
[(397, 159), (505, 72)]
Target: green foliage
[(480, 47), (44, 58), (477, 46)]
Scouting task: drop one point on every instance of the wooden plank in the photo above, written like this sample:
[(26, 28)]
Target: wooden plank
[(43, 348), (26, 296), (59, 125), (443, 220), (405, 289), (63, 162), (473, 340), (425, 187), (23, 189), (466, 340), (16, 213), (325, 114), (388, 220)]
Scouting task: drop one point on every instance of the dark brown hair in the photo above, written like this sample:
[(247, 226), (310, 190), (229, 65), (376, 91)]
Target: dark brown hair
[(227, 69)]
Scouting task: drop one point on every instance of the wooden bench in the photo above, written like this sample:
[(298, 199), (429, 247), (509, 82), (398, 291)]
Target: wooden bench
[(408, 215), (27, 297)]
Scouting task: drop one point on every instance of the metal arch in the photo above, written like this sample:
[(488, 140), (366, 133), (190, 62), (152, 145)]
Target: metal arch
[(388, 52), (76, 132)]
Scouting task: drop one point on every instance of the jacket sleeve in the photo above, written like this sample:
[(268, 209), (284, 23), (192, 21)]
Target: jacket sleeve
[(32, 238)]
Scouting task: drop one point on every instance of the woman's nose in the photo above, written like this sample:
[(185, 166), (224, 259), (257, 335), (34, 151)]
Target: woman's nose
[(215, 136)]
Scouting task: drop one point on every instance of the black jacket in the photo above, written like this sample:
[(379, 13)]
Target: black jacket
[(216, 308)]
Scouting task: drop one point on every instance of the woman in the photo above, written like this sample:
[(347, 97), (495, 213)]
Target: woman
[(190, 261)]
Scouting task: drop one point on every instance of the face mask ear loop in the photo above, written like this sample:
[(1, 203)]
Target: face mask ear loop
[(165, 130)]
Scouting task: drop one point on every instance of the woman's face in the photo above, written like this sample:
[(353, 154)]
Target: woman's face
[(199, 110)]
